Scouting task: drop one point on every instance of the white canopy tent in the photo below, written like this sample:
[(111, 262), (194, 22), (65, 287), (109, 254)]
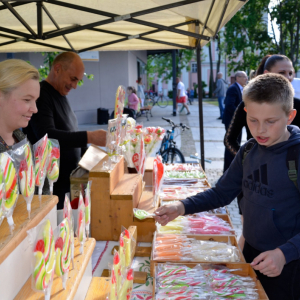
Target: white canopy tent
[(114, 25)]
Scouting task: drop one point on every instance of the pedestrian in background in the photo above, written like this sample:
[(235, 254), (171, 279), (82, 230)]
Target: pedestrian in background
[(232, 100), (133, 100), (181, 95), (220, 92), (140, 91)]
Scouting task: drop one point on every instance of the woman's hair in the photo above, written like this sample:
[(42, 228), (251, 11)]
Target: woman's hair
[(132, 89), (252, 74), (139, 80), (269, 61), (14, 72)]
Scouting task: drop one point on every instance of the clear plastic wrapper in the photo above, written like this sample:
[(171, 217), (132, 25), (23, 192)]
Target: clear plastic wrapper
[(139, 156), (200, 223), (11, 191), (113, 295), (2, 193), (120, 99), (152, 137), (54, 162), (117, 268), (63, 249), (112, 140), (188, 182), (25, 168), (127, 285), (87, 203), (236, 292), (80, 231), (185, 174), (129, 243), (158, 174), (183, 167), (142, 214), (124, 138), (44, 257), (178, 193), (68, 213), (41, 157)]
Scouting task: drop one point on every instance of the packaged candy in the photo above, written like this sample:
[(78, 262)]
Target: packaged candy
[(152, 137), (183, 167), (126, 289), (87, 203), (185, 174), (117, 269), (68, 213), (11, 191), (54, 161), (44, 258), (142, 214), (158, 173), (120, 99), (24, 162), (63, 249), (2, 193), (41, 157), (80, 231), (129, 243), (112, 140)]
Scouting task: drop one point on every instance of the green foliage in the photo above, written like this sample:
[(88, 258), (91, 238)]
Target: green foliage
[(161, 65), (247, 32), (48, 61)]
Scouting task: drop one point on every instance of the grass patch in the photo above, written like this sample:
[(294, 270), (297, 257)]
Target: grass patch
[(213, 102)]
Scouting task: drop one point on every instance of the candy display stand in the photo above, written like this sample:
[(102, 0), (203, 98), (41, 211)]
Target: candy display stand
[(78, 282), (15, 250), (114, 194), (148, 171), (217, 238), (243, 270)]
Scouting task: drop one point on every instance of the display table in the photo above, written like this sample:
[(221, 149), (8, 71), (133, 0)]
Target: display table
[(15, 250), (78, 282)]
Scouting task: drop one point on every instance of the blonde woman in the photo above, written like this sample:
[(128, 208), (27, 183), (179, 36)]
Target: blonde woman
[(19, 90)]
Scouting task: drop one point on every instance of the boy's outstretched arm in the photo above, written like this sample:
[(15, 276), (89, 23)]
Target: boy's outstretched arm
[(167, 213), (269, 263)]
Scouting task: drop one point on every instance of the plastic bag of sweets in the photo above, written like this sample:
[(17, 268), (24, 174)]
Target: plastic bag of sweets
[(25, 167), (87, 202), (126, 288), (63, 249), (80, 231), (68, 213), (41, 157), (2, 192), (129, 245), (54, 161), (112, 140), (123, 134), (11, 191), (44, 257), (119, 102)]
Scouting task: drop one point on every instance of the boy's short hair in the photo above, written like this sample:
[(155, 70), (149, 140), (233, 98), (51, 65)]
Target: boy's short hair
[(270, 88)]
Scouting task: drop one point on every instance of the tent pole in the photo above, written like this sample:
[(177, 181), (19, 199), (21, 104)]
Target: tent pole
[(198, 50), (174, 81)]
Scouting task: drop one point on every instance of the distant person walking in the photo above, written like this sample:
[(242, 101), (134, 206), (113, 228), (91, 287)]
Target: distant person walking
[(133, 100), (220, 92), (181, 95), (232, 100), (140, 91)]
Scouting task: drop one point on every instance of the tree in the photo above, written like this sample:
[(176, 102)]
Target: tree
[(48, 61), (248, 33), (160, 65), (285, 15)]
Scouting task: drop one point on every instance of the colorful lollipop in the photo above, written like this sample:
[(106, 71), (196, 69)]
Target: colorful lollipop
[(113, 286), (10, 186), (80, 232), (63, 251), (41, 162), (126, 289), (117, 269), (88, 208), (54, 159)]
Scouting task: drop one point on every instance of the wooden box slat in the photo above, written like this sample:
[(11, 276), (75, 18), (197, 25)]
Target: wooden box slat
[(99, 288), (39, 210), (75, 276)]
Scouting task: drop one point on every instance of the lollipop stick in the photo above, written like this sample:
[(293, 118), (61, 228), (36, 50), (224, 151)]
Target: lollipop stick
[(51, 188), (81, 248), (29, 209)]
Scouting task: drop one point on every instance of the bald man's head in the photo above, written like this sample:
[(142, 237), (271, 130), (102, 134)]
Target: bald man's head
[(241, 78), (67, 70)]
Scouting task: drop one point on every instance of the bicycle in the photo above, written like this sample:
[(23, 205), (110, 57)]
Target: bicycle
[(160, 100), (168, 150)]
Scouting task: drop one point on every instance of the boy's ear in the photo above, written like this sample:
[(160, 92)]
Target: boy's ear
[(245, 109), (266, 71), (291, 116)]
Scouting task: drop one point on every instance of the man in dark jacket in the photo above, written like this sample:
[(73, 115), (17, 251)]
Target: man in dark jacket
[(232, 100), (56, 118)]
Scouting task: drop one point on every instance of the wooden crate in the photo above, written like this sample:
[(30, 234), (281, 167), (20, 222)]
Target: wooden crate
[(98, 289), (114, 195), (76, 275), (217, 238), (243, 270)]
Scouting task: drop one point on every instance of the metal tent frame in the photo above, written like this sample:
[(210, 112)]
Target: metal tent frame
[(42, 38)]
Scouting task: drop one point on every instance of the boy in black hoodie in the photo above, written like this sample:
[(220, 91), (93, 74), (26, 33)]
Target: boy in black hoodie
[(271, 201)]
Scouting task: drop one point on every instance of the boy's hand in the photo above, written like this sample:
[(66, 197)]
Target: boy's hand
[(269, 263), (167, 213)]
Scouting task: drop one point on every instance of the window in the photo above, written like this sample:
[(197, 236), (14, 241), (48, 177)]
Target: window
[(194, 67)]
